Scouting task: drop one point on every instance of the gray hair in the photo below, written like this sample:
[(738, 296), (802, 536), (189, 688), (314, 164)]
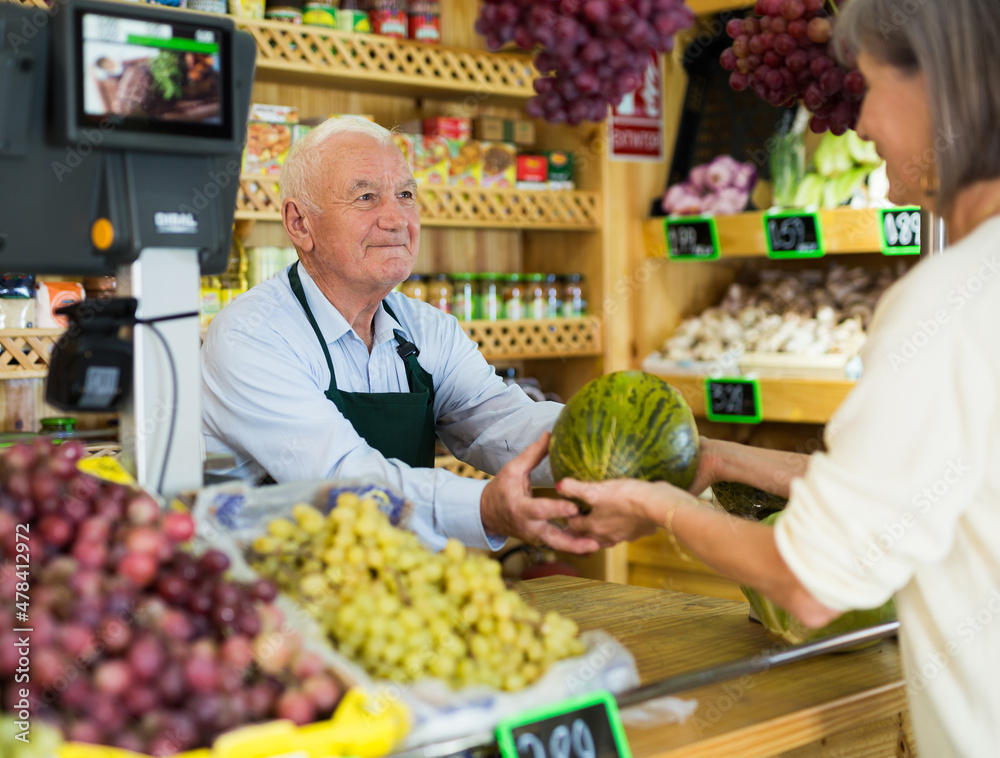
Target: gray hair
[(302, 164), (954, 44)]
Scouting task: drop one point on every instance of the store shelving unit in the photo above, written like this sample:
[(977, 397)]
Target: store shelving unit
[(26, 353), (456, 207), (845, 230)]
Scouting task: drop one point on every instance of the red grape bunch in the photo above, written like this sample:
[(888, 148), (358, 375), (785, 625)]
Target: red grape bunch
[(593, 52), (784, 54), (136, 643)]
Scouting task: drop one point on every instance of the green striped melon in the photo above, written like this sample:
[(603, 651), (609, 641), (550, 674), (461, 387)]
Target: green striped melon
[(628, 424)]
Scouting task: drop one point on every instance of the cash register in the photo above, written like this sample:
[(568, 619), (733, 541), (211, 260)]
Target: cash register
[(121, 133)]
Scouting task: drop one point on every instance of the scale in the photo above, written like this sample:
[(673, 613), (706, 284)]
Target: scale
[(121, 137)]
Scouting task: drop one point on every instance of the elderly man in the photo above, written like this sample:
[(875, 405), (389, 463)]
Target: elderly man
[(325, 372)]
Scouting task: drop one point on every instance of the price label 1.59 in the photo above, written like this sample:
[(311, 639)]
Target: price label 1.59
[(692, 239), (900, 230), (733, 400), (793, 234), (585, 726)]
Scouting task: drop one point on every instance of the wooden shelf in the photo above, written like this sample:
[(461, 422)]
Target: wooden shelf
[(810, 401), (26, 353), (455, 466), (845, 230), (456, 207), (551, 338), (300, 54)]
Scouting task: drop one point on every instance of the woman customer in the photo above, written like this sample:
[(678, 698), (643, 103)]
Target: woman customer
[(906, 500)]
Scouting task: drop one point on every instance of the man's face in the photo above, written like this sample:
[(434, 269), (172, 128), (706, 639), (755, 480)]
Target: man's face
[(368, 234)]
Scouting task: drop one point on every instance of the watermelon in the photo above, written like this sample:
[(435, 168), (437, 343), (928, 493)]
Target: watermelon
[(748, 502), (628, 424), (781, 623)]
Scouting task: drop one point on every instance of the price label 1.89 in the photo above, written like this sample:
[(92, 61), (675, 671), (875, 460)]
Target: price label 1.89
[(900, 230), (586, 726), (733, 400), (692, 239), (793, 234)]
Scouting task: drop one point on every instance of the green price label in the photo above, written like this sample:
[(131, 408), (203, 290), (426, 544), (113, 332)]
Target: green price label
[(691, 239), (793, 234), (733, 400), (900, 230), (585, 726)]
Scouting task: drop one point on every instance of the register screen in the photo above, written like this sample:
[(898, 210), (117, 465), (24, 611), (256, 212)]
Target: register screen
[(151, 76)]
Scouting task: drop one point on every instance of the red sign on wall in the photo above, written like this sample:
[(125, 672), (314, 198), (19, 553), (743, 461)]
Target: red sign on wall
[(635, 126)]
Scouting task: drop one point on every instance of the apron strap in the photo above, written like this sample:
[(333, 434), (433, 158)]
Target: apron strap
[(300, 295), (416, 377)]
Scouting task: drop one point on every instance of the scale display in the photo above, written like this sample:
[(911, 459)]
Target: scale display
[(152, 76)]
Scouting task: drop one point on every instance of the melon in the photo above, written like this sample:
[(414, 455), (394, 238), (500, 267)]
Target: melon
[(628, 424), (781, 623)]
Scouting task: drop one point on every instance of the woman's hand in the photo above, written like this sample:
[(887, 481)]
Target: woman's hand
[(622, 509), (709, 464)]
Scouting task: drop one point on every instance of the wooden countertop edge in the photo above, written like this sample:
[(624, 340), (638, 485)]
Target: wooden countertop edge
[(776, 736)]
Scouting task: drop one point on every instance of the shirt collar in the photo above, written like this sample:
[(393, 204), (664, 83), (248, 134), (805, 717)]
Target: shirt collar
[(330, 321)]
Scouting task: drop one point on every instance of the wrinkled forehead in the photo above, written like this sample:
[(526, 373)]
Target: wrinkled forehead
[(360, 159)]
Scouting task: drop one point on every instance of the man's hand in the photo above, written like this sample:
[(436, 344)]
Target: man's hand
[(508, 508)]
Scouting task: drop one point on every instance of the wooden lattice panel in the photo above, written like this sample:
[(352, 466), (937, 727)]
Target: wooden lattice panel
[(455, 466), (391, 65), (259, 198), (26, 353), (554, 338)]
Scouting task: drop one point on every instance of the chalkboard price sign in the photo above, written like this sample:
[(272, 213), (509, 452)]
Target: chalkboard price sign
[(733, 400), (585, 726), (793, 234), (692, 239), (900, 230)]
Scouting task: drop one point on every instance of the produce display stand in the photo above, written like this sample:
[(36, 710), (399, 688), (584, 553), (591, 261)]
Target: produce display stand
[(844, 704)]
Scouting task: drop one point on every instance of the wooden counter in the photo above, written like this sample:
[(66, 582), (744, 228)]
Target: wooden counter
[(838, 706)]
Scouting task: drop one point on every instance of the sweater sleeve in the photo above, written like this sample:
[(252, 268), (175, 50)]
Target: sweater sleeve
[(906, 455)]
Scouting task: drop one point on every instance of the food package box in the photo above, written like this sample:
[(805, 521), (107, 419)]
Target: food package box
[(466, 168), (299, 131), (496, 129), (52, 295), (431, 160), (532, 168), (269, 137), (499, 164), (406, 146), (560, 169), (451, 127)]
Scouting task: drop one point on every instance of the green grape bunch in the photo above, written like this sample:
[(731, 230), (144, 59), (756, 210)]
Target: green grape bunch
[(402, 611)]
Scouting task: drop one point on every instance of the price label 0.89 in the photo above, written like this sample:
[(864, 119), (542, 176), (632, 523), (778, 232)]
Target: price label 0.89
[(900, 230), (793, 234), (585, 726), (692, 239), (733, 400)]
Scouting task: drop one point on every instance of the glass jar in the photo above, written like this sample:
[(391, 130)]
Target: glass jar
[(440, 292), (283, 10), (414, 286), (464, 299), (574, 296), (353, 17), (490, 298), (553, 297), (58, 425), (513, 297), (388, 17), (534, 296), (424, 21)]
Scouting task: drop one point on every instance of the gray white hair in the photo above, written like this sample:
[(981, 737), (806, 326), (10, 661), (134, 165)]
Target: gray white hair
[(300, 170), (954, 44)]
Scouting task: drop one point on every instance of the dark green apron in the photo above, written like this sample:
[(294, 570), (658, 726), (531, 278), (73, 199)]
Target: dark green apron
[(398, 424)]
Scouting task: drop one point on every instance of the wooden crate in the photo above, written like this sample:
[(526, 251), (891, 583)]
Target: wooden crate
[(455, 466)]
